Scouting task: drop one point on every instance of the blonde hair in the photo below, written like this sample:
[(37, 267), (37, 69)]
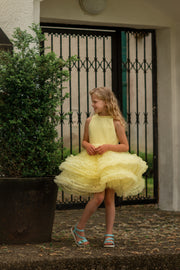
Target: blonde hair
[(105, 94)]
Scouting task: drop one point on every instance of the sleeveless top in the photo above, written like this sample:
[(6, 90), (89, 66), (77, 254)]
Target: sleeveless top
[(102, 130)]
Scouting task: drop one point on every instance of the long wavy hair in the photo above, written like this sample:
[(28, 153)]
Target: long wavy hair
[(105, 94)]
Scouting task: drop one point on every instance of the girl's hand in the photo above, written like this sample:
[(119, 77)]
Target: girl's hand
[(90, 149), (102, 149)]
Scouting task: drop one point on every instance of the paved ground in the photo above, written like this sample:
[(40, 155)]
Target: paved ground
[(146, 239)]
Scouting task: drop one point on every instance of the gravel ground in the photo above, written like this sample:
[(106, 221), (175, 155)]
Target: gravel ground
[(140, 231)]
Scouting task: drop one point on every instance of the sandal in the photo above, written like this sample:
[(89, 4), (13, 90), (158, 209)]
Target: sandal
[(74, 233), (109, 241)]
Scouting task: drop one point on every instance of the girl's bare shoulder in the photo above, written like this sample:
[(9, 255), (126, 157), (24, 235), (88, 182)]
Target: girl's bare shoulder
[(118, 125), (88, 120)]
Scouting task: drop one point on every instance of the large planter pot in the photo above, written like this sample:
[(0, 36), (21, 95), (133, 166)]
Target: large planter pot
[(27, 208)]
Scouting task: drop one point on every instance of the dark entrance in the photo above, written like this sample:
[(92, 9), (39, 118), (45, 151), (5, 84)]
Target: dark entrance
[(125, 61)]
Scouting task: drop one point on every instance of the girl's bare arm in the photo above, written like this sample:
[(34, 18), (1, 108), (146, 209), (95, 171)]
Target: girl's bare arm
[(85, 143)]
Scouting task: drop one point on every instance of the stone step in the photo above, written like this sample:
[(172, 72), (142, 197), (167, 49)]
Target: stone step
[(143, 262)]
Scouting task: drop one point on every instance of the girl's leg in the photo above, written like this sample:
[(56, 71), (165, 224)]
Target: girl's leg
[(110, 210), (90, 208)]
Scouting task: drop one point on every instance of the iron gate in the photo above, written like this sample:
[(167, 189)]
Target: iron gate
[(125, 61)]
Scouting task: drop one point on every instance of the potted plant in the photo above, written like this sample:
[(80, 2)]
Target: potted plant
[(30, 93)]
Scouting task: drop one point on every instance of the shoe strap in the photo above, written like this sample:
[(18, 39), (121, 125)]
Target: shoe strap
[(109, 239), (111, 235), (77, 234), (82, 237), (76, 229), (82, 241)]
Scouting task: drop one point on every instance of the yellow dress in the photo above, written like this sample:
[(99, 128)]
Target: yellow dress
[(84, 174)]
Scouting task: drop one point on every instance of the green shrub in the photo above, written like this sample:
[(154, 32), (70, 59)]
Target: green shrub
[(30, 93), (66, 152), (149, 161)]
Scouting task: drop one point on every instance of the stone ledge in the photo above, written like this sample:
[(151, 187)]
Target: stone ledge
[(142, 262), (146, 239)]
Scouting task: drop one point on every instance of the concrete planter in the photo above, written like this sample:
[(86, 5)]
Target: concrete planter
[(27, 209)]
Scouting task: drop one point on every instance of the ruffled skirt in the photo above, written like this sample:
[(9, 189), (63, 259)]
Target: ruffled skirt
[(84, 174)]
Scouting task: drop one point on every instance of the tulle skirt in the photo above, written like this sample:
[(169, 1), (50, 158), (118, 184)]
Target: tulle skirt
[(84, 174)]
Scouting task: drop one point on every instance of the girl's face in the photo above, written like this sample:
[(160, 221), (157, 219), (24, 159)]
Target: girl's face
[(98, 105)]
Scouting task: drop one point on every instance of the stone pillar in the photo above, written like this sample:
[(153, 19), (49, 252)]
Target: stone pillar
[(18, 13), (176, 115), (168, 59)]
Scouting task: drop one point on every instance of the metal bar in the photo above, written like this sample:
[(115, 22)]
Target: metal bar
[(81, 204), (129, 101), (87, 29), (79, 97), (52, 43), (62, 196), (70, 99), (104, 61), (95, 60), (87, 76), (61, 109), (117, 67), (118, 91), (84, 31), (155, 115), (145, 104), (137, 97), (124, 75), (114, 49)]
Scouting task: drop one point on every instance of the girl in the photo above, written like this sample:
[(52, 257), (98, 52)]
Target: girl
[(105, 167)]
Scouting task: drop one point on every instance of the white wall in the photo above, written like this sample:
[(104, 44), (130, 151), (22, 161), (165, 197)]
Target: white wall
[(117, 12), (18, 13)]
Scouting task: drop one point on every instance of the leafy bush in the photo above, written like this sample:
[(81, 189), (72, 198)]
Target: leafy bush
[(149, 172), (30, 93), (149, 161), (66, 152)]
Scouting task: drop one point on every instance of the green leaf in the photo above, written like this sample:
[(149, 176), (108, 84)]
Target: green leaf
[(30, 93)]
